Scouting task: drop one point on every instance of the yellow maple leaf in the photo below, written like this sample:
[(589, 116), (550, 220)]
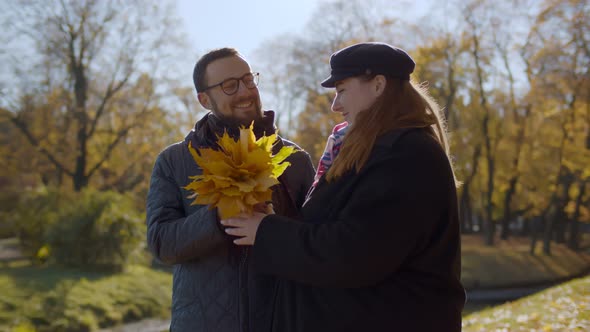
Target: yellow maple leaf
[(238, 175)]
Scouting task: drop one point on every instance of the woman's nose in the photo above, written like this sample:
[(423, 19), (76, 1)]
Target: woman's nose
[(336, 106)]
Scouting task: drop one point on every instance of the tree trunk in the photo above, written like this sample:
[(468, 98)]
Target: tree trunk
[(561, 224), (80, 182), (489, 231), (488, 222), (465, 211), (573, 241), (489, 225), (515, 173), (548, 218), (547, 236), (536, 225), (526, 227), (507, 210), (555, 204), (80, 179), (561, 219)]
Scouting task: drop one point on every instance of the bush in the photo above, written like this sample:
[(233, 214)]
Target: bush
[(32, 214), (81, 301), (88, 229), (8, 200), (6, 229), (97, 230)]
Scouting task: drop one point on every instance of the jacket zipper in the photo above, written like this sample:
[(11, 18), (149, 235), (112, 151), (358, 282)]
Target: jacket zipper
[(243, 292)]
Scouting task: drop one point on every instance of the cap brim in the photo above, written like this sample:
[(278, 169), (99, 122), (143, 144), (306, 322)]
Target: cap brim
[(330, 82)]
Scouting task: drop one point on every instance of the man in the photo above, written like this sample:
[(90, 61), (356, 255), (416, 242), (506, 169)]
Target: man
[(213, 288)]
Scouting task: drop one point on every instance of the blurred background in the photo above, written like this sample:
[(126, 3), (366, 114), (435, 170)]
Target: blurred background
[(92, 91)]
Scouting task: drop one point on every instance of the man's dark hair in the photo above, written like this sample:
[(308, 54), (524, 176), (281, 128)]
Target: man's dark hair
[(205, 60)]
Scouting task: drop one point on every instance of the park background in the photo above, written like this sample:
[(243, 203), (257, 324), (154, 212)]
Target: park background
[(92, 91)]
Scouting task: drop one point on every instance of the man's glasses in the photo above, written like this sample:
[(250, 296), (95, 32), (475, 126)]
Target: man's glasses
[(231, 85)]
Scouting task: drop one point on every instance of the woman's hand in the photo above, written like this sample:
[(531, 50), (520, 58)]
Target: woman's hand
[(264, 207), (243, 226)]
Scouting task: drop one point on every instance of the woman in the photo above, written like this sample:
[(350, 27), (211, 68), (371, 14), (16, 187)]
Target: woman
[(380, 246)]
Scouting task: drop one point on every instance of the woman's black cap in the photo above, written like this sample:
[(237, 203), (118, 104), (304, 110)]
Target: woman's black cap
[(369, 58)]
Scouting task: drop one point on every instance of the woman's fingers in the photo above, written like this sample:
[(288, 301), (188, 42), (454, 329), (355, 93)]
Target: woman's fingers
[(243, 226), (244, 238), (238, 220), (243, 241), (232, 222), (260, 207), (236, 231)]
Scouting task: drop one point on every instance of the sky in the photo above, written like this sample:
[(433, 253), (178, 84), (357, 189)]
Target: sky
[(247, 24), (242, 24)]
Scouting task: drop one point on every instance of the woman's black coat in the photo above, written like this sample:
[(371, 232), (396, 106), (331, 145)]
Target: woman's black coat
[(378, 251)]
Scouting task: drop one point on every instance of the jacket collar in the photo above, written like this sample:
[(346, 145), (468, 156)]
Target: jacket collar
[(206, 131), (388, 139)]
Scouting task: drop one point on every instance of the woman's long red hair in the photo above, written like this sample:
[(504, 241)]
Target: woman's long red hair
[(403, 104)]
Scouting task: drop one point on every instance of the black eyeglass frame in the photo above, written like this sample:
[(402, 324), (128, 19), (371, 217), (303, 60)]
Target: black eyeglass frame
[(252, 85)]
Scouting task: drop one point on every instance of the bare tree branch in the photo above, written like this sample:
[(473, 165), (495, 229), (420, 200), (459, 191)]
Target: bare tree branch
[(22, 126)]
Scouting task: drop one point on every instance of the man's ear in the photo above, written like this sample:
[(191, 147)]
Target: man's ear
[(204, 100), (380, 83)]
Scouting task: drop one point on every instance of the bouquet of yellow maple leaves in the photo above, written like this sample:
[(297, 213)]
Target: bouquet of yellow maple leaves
[(239, 174)]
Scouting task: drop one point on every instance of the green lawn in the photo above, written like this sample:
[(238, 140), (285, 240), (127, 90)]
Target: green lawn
[(55, 299), (562, 308), (509, 263)]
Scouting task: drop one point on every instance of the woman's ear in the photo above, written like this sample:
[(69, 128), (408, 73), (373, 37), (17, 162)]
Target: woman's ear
[(380, 83), (204, 100)]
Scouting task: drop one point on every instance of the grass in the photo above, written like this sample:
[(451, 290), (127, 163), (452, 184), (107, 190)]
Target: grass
[(56, 299), (562, 308), (53, 299), (509, 263)]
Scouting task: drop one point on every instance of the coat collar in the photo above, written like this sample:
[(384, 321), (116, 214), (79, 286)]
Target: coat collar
[(210, 127), (388, 139)]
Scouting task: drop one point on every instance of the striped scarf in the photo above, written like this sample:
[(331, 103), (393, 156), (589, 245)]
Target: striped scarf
[(331, 151)]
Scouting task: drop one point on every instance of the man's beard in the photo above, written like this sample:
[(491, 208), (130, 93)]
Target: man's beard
[(240, 121)]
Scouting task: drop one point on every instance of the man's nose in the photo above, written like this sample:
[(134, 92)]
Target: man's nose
[(243, 90)]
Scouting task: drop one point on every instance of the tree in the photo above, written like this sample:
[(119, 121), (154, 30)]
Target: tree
[(315, 124), (88, 54), (443, 70), (560, 53), (513, 78), (298, 63), (517, 110), (475, 15)]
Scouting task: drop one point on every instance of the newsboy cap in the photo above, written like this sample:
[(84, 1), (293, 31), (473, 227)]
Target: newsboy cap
[(369, 58)]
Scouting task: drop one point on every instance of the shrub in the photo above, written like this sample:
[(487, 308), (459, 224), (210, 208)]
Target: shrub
[(97, 230), (81, 301), (8, 200), (32, 214)]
